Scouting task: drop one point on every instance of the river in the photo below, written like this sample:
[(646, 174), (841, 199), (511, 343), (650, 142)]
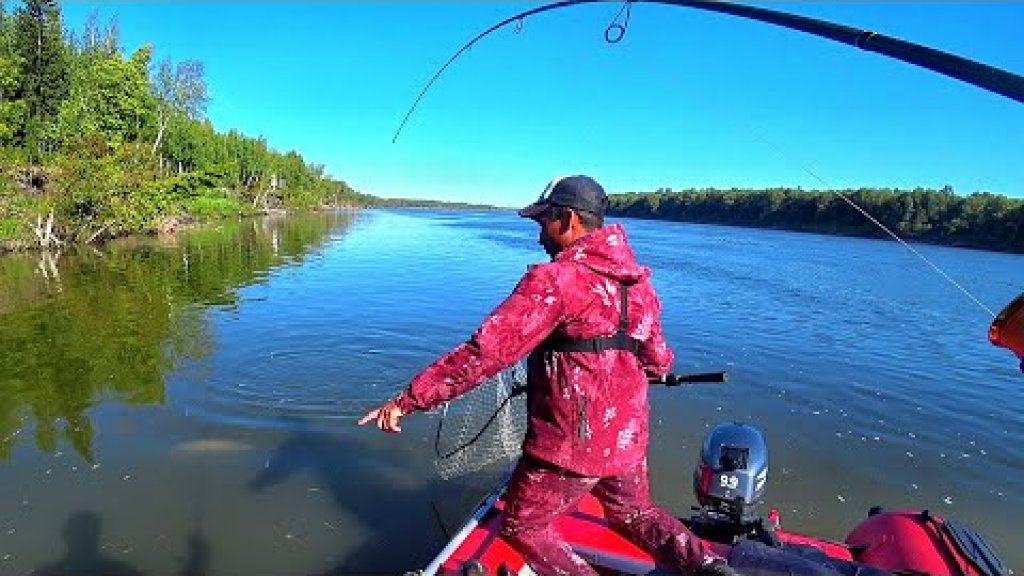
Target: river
[(187, 405)]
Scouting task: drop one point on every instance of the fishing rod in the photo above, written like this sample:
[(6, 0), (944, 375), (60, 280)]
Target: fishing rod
[(973, 72), (1007, 329)]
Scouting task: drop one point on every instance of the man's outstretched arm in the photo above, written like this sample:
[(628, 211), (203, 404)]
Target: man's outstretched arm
[(512, 330)]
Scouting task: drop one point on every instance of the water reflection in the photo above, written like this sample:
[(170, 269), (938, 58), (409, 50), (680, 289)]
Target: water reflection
[(86, 326)]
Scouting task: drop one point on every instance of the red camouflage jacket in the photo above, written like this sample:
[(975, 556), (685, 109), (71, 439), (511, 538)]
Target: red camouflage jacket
[(587, 411)]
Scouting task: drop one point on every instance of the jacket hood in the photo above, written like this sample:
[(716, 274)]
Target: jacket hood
[(607, 252)]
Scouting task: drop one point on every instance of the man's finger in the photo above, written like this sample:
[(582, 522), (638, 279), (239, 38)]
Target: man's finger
[(372, 415)]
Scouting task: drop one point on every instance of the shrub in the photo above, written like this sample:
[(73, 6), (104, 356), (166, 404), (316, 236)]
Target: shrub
[(214, 204)]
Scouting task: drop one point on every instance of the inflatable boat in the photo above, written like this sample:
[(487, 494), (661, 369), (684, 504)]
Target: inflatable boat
[(729, 483)]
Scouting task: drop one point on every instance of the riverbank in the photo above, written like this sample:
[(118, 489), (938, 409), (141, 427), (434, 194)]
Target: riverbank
[(44, 236), (980, 221)]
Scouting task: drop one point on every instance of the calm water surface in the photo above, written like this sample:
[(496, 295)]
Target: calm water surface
[(187, 406)]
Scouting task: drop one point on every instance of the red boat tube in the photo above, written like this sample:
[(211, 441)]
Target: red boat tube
[(918, 542), (1007, 329)]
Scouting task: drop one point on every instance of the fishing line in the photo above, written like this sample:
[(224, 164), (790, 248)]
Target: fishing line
[(777, 149), (981, 75), (1007, 329), (615, 31), (791, 159), (518, 19)]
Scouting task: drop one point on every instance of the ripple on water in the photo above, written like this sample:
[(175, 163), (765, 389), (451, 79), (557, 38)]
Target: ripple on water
[(298, 383)]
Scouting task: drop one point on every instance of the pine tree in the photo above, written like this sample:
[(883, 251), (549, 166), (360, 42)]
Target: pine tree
[(45, 78)]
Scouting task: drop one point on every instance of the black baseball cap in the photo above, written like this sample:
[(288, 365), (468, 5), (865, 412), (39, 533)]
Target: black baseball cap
[(578, 192)]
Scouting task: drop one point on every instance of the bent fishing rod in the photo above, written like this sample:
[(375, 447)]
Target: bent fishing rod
[(981, 75), (1008, 327)]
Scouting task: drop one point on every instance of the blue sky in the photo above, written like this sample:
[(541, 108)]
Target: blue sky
[(688, 98)]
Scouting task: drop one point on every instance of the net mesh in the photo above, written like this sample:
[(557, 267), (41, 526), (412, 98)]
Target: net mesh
[(483, 429)]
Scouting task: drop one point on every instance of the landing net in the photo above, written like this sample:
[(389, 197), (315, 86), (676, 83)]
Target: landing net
[(483, 430)]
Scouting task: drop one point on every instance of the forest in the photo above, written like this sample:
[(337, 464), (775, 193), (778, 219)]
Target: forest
[(96, 143), (979, 220)]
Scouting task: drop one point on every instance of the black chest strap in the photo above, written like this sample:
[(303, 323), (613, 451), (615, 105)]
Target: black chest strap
[(620, 341)]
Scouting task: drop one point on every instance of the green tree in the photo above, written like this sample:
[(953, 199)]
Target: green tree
[(180, 90), (45, 78), (12, 106), (13, 110), (109, 96)]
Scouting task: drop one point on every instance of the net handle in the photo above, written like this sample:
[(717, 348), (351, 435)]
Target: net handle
[(700, 378)]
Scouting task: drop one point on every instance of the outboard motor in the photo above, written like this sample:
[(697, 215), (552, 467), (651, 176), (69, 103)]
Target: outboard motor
[(730, 479)]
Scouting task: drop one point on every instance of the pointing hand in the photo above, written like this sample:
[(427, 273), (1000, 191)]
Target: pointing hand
[(387, 417)]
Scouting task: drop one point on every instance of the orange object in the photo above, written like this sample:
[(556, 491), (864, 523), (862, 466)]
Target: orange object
[(1007, 329)]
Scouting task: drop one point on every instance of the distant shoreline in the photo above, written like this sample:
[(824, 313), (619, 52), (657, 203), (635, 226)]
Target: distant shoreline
[(980, 221), (816, 212)]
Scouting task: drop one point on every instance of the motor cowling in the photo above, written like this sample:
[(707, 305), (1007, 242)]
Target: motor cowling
[(733, 469)]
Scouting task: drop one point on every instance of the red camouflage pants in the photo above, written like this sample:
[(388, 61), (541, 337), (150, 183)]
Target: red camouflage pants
[(539, 492)]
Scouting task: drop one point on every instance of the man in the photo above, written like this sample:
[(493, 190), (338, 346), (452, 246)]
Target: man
[(590, 322)]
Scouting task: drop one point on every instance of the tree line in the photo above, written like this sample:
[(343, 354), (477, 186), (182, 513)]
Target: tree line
[(95, 143), (980, 220), (421, 203)]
